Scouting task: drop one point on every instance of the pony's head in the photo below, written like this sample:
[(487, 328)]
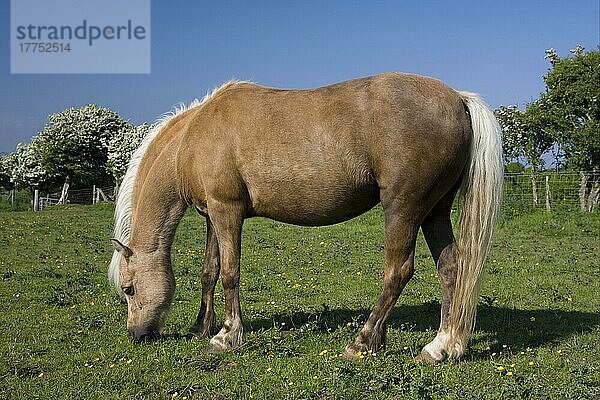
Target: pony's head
[(144, 275), (147, 282)]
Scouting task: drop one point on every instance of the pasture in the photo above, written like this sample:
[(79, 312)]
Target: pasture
[(305, 292)]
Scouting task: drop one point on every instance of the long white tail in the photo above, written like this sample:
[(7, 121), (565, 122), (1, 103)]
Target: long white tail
[(480, 198)]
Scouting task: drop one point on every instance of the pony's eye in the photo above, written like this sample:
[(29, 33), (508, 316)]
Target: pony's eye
[(128, 290)]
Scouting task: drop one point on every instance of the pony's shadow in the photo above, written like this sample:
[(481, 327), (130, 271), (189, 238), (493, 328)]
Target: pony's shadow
[(498, 326)]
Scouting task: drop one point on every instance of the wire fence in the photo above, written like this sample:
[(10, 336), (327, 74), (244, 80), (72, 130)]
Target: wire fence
[(560, 191), (565, 191), (7, 195), (88, 196)]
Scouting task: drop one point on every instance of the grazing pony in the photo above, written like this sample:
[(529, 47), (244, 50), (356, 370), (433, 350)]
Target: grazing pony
[(314, 157)]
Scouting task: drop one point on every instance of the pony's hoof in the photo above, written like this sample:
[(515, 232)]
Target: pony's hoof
[(220, 343), (355, 352), (192, 335), (197, 332), (350, 354), (214, 348), (426, 358)]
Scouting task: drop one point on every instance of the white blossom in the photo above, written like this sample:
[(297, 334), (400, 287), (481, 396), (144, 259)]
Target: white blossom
[(121, 148)]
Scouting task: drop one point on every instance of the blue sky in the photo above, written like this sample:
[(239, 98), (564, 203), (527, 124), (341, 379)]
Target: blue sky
[(495, 48)]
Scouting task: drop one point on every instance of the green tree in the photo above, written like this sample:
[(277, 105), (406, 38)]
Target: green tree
[(571, 108), (73, 145), (526, 135)]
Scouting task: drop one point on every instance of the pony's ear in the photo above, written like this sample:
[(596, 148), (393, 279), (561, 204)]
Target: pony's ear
[(121, 248)]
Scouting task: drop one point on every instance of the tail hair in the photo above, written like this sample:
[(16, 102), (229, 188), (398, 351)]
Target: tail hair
[(480, 199)]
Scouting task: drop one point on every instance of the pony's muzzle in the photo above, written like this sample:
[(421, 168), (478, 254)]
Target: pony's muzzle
[(142, 335)]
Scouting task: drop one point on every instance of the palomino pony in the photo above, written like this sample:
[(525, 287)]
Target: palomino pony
[(314, 157)]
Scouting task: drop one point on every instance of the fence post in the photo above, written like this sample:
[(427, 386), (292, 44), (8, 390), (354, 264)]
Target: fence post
[(12, 197), (582, 191), (548, 194), (101, 193), (94, 195), (36, 200), (65, 191)]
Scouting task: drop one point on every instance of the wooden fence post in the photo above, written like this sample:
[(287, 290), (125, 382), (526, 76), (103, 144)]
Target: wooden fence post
[(548, 194), (36, 200), (94, 195), (65, 191), (12, 197), (101, 193)]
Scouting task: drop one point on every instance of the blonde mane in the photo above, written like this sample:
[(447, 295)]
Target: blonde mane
[(123, 206)]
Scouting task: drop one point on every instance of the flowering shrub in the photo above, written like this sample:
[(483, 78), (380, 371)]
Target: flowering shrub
[(23, 167), (121, 147), (89, 145), (74, 143)]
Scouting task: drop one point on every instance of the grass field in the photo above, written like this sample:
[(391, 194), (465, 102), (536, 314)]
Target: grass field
[(305, 292)]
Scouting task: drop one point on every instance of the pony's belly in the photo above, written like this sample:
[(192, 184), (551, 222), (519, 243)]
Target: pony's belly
[(322, 206)]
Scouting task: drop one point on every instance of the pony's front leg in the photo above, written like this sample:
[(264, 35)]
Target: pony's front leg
[(205, 322), (227, 221)]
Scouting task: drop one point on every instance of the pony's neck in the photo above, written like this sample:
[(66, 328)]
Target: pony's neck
[(157, 207)]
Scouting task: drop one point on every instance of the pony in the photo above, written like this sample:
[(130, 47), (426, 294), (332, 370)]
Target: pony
[(314, 157)]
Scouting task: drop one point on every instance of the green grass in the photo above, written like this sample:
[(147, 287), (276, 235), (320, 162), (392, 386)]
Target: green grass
[(20, 202), (305, 292)]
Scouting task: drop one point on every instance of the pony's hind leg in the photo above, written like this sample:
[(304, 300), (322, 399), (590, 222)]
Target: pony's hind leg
[(205, 322), (437, 230), (400, 236)]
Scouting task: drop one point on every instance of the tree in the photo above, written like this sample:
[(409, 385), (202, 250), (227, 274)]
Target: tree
[(73, 145), (571, 107), (121, 148), (4, 173), (25, 169), (526, 134), (515, 167)]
